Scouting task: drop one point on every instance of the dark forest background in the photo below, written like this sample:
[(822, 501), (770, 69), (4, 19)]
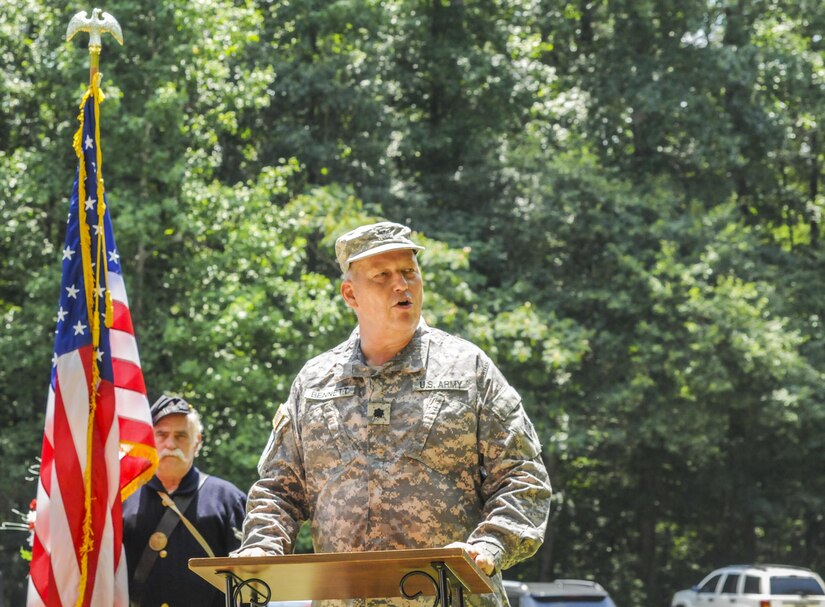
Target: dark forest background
[(621, 201)]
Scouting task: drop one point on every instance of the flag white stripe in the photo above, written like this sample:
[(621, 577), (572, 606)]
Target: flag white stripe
[(104, 584), (124, 346), (103, 590), (122, 582), (132, 405), (115, 590), (75, 392), (48, 431), (32, 598), (117, 287), (65, 567), (43, 516), (112, 475)]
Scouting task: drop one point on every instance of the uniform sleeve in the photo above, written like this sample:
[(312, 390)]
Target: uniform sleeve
[(276, 505), (515, 487), (236, 512)]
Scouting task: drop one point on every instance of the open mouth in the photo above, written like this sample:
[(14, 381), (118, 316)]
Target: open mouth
[(404, 304)]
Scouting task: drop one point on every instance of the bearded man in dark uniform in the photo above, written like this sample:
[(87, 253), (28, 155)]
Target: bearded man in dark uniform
[(181, 513)]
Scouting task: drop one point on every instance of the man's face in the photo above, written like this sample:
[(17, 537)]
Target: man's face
[(177, 441), (387, 292)]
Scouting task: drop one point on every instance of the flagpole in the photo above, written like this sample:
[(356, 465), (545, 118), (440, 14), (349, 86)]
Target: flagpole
[(94, 65), (96, 25)]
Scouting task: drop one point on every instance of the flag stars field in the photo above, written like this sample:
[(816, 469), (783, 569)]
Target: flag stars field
[(72, 291), (79, 328)]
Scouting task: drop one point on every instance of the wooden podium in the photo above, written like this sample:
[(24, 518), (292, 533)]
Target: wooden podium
[(445, 573)]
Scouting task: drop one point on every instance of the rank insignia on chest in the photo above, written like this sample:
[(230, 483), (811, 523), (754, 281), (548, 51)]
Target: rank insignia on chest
[(379, 413)]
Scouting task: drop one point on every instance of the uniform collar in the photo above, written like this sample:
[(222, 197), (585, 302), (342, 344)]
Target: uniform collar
[(188, 483), (412, 359)]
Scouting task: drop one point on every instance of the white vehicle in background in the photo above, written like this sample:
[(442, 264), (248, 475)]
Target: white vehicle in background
[(560, 593), (755, 586)]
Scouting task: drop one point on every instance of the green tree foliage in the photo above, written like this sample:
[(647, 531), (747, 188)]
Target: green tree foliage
[(621, 202)]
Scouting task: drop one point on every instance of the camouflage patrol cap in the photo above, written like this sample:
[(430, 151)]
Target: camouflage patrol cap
[(372, 239), (169, 405)]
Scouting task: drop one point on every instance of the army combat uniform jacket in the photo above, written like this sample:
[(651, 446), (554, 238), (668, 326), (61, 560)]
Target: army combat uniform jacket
[(430, 448)]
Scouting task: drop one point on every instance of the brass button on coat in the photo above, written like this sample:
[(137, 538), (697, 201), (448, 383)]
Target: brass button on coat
[(158, 541)]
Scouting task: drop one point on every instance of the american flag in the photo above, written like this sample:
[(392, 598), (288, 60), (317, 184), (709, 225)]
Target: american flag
[(98, 443)]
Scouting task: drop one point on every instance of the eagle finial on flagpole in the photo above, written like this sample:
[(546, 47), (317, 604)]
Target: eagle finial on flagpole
[(99, 23)]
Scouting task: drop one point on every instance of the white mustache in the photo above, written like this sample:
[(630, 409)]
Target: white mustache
[(172, 453)]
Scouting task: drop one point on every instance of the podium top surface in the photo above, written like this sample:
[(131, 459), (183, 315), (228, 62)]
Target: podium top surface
[(346, 575)]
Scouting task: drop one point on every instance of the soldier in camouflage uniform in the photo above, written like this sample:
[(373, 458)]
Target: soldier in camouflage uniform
[(401, 437)]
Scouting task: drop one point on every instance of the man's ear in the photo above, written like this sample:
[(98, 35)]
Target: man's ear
[(348, 293)]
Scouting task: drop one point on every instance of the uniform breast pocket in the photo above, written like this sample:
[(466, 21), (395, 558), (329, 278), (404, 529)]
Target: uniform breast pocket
[(449, 434), (326, 445)]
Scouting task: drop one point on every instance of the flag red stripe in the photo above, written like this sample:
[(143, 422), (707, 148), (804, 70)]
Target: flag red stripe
[(128, 375), (135, 429), (40, 567), (46, 461), (68, 470), (122, 317), (117, 528)]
